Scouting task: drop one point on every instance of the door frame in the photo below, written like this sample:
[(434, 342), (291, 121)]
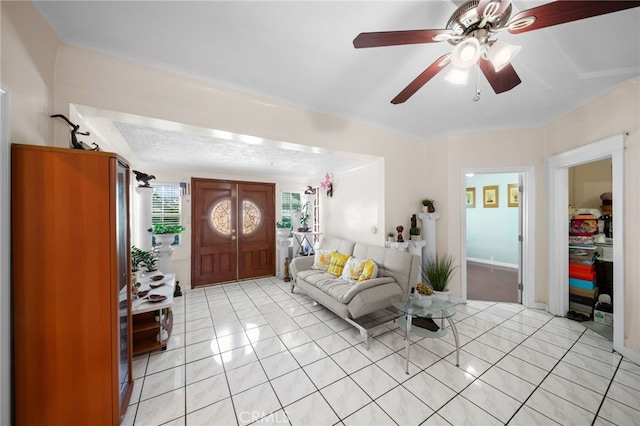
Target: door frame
[(5, 259), (558, 200), (527, 212)]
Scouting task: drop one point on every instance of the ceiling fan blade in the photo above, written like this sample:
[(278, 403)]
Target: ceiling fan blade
[(422, 79), (394, 38), (501, 81), (560, 12)]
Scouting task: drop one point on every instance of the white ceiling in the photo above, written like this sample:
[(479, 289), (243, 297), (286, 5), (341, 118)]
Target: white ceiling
[(301, 52)]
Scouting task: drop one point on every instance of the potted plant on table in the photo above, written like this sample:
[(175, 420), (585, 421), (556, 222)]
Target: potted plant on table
[(427, 206), (390, 237), (149, 260), (414, 233), (438, 272)]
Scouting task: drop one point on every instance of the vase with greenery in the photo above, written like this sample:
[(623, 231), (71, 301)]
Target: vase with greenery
[(390, 236), (438, 272), (427, 206)]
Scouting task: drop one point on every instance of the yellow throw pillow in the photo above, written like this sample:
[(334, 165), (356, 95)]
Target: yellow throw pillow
[(369, 271), (337, 263), (322, 259), (352, 269)]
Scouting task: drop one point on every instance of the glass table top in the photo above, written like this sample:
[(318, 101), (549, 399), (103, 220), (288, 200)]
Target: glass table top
[(429, 307)]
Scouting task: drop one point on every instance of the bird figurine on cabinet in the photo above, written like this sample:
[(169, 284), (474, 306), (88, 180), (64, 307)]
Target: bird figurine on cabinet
[(143, 178)]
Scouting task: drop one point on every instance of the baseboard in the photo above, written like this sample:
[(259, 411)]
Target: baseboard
[(492, 263), (631, 355)]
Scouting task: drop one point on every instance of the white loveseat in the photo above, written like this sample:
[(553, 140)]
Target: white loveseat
[(398, 271)]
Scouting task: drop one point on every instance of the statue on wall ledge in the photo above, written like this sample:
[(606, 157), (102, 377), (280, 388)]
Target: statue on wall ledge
[(75, 143), (400, 228), (414, 221), (143, 178)]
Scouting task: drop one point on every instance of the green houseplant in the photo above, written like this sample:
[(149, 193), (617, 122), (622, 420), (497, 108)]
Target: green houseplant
[(149, 260), (427, 205), (163, 228), (438, 272), (415, 233), (137, 258), (390, 236), (285, 224), (305, 215)]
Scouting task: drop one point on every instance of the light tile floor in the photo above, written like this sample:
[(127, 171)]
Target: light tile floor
[(253, 352)]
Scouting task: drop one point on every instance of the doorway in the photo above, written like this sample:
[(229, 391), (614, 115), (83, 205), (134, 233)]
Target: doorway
[(233, 231), (508, 264), (493, 246), (558, 200)]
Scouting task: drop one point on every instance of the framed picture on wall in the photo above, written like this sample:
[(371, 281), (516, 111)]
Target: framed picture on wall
[(513, 195), (490, 196), (471, 198)]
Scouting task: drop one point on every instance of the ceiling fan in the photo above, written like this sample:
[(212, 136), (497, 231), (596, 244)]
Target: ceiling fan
[(472, 29)]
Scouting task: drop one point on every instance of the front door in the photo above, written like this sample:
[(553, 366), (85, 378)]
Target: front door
[(233, 230)]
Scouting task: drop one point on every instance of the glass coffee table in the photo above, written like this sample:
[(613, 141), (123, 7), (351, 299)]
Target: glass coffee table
[(413, 306)]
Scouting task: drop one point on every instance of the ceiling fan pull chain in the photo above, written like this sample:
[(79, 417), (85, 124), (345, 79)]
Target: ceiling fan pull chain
[(476, 98)]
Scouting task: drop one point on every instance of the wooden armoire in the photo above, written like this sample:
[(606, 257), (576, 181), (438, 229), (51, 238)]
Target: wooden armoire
[(70, 286)]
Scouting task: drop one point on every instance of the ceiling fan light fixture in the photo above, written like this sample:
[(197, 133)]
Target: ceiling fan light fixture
[(458, 76), (501, 54), (466, 53)]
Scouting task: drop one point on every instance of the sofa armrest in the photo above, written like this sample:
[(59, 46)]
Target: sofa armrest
[(302, 263)]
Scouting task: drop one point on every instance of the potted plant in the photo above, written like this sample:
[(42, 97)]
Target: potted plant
[(149, 260), (425, 294), (390, 237), (414, 233), (165, 234), (437, 272), (283, 229), (427, 206), (137, 257), (305, 215)]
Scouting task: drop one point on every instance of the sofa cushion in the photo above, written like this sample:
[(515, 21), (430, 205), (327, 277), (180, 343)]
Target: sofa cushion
[(353, 269), (338, 260), (322, 259), (369, 271), (338, 288)]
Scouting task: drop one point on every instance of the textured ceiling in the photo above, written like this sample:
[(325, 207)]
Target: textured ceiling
[(171, 144), (301, 52)]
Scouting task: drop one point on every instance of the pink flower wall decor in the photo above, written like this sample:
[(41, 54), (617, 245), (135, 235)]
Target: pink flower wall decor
[(326, 185)]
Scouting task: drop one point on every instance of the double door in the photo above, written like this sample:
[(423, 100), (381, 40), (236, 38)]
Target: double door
[(233, 230)]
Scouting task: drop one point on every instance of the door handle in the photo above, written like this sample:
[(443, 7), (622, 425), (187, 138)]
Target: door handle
[(233, 237)]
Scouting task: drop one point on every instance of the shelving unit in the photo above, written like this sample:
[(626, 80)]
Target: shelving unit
[(150, 319)]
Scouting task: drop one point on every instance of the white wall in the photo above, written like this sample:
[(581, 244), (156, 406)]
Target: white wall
[(357, 205)]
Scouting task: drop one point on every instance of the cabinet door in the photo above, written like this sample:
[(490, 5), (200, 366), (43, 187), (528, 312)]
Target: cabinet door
[(123, 288)]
